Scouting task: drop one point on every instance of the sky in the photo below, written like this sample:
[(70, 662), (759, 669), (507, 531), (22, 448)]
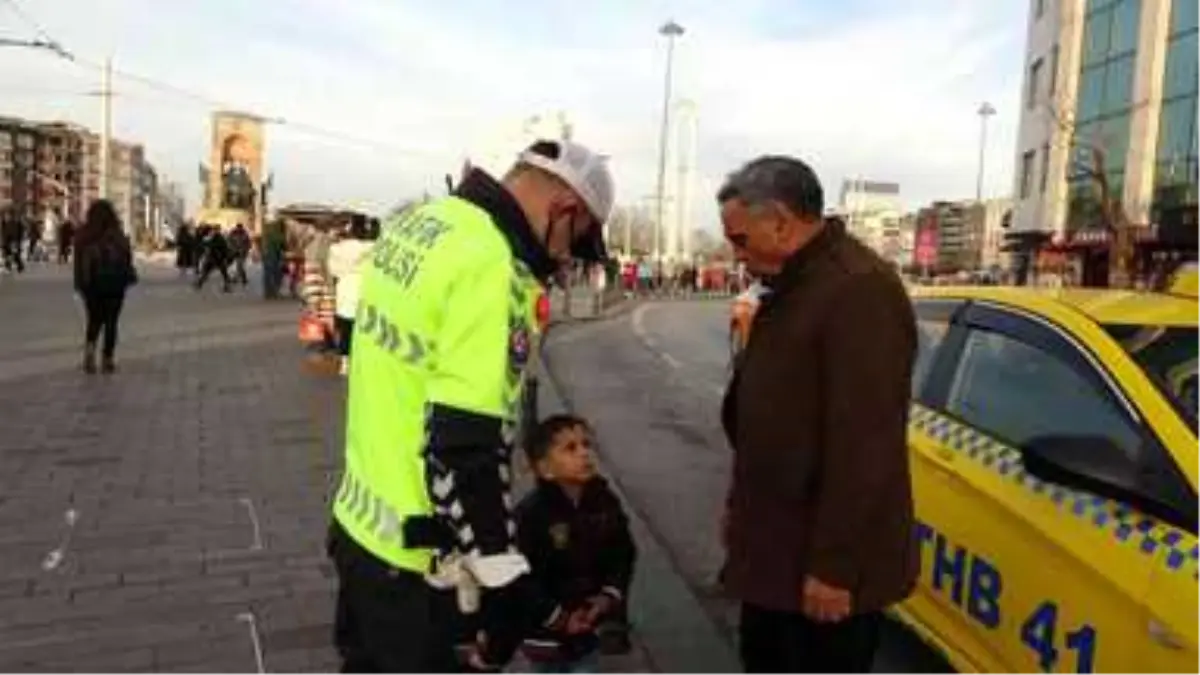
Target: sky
[(380, 98)]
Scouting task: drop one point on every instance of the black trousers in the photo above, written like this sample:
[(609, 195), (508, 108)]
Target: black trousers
[(345, 332), (207, 269), (789, 642), (389, 620), (103, 314)]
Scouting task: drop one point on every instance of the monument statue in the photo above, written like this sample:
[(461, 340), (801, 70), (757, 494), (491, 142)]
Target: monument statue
[(239, 188)]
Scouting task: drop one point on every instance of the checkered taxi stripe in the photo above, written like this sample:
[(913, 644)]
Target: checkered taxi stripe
[(1173, 548)]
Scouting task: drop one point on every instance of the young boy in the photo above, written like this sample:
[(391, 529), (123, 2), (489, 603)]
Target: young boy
[(575, 534)]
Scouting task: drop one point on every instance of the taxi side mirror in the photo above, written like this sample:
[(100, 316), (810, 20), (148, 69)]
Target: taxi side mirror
[(1089, 462), (1096, 464)]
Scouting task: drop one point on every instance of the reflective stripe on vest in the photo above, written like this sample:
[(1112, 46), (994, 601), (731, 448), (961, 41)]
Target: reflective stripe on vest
[(369, 511)]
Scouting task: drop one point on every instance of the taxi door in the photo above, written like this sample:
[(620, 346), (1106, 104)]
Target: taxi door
[(1025, 575)]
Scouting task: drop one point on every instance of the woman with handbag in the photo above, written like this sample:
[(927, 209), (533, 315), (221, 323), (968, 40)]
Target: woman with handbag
[(103, 272)]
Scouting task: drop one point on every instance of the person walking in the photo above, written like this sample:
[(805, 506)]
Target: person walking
[(103, 272), (66, 235), (239, 249), (423, 531), (215, 252), (12, 235), (274, 250), (345, 261), (819, 523)]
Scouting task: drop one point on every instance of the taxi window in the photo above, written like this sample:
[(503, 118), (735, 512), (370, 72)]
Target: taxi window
[(1016, 391), (1168, 356), (930, 334)]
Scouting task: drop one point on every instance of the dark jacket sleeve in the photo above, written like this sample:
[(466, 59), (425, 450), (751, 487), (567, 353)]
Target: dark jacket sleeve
[(868, 350), (620, 553)]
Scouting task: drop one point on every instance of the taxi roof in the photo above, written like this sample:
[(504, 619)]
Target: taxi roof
[(1102, 305)]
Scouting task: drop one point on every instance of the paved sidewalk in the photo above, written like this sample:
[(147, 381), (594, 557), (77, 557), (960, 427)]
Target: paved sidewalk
[(170, 517)]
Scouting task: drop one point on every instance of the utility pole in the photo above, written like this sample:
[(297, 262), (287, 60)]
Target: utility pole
[(106, 128), (671, 30), (985, 111)]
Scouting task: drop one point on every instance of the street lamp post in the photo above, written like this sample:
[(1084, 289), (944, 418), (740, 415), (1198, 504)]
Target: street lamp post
[(671, 30), (985, 111)]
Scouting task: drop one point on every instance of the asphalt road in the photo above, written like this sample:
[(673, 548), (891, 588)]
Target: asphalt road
[(651, 382)]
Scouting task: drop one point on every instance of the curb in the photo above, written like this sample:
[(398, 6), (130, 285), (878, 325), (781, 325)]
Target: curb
[(677, 632)]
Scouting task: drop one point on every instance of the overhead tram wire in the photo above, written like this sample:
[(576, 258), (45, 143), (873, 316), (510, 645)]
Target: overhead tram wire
[(47, 41)]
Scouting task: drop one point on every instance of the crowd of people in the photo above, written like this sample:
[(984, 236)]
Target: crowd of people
[(22, 240)]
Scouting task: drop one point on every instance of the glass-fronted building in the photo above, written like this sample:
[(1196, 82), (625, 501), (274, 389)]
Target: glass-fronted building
[(1110, 90)]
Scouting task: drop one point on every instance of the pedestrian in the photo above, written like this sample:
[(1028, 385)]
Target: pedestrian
[(35, 230), (215, 255), (104, 271), (422, 532), (575, 534), (819, 516), (185, 248), (274, 250), (239, 250), (12, 235), (66, 235), (345, 260)]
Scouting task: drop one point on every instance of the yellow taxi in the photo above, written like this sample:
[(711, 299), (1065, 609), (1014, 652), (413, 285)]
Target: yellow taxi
[(1054, 450)]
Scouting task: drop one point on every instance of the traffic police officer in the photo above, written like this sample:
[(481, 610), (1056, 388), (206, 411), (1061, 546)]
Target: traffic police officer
[(422, 529)]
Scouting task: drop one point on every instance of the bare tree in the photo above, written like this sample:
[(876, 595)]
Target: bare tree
[(1089, 159)]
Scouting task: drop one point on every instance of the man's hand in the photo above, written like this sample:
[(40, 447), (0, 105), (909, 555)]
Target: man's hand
[(579, 622), (825, 603)]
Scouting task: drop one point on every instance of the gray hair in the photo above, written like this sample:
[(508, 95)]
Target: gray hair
[(776, 178)]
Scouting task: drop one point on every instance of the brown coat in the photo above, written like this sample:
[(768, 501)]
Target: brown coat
[(817, 416)]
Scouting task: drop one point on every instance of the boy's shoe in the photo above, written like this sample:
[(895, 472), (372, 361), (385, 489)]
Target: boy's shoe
[(344, 370), (109, 366)]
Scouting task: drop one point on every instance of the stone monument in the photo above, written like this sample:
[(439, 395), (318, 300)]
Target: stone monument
[(234, 175)]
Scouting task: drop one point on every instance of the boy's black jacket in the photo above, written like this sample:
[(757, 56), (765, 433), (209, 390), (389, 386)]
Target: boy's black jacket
[(577, 551)]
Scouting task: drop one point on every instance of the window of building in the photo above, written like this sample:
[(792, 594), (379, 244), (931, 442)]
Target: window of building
[(1017, 391), (1096, 31), (1026, 173), (1114, 139), (1039, 8), (1183, 15), (1118, 84), (1177, 131), (1091, 93), (1035, 77), (1045, 172), (1126, 21), (1181, 73)]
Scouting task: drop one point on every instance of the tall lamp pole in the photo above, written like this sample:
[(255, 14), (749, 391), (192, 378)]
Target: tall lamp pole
[(985, 111), (671, 30)]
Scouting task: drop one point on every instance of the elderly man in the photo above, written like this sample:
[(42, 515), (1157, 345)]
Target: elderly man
[(819, 520)]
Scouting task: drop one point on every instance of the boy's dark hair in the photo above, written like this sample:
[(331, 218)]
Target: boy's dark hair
[(541, 437)]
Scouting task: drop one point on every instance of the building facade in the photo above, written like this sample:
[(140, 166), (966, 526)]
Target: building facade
[(872, 212), (60, 172), (20, 146), (950, 237), (1110, 89)]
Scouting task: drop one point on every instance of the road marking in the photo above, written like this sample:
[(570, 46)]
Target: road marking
[(257, 545), (637, 323), (248, 618), (55, 557)]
